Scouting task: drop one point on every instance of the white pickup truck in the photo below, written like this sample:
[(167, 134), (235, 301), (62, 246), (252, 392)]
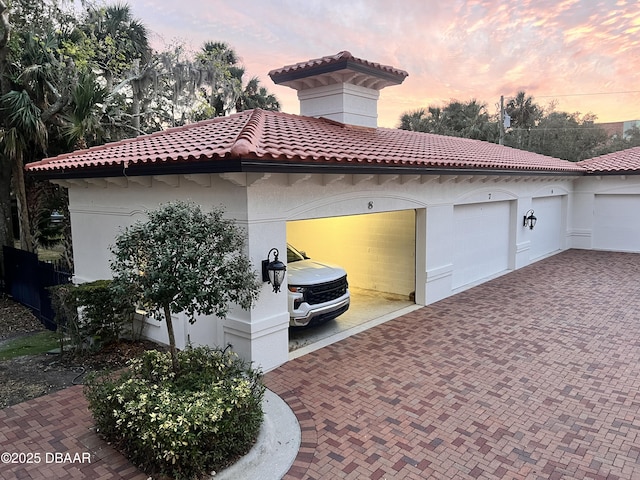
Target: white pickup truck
[(318, 292)]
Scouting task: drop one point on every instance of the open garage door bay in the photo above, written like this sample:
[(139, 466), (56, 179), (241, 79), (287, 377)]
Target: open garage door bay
[(378, 253), (377, 250)]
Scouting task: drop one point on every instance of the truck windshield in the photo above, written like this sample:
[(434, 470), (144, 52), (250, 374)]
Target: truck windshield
[(293, 255)]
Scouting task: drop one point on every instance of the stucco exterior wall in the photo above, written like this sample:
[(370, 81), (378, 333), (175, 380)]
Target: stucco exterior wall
[(345, 103), (605, 213), (100, 209), (264, 203)]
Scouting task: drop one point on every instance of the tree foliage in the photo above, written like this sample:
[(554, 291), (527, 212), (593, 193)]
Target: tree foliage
[(563, 135), (182, 259), (458, 119), (118, 40), (93, 77), (570, 136)]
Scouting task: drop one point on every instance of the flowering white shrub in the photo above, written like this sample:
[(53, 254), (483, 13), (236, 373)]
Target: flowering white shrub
[(180, 425)]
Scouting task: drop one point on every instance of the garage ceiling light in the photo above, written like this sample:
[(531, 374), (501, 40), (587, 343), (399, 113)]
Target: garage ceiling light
[(273, 271), (529, 220)]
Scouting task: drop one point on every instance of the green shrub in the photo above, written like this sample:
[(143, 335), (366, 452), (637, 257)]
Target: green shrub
[(180, 425), (90, 315)]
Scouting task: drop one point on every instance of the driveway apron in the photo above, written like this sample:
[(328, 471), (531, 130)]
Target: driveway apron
[(535, 374)]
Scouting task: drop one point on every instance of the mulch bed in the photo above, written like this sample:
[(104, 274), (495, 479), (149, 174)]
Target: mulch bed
[(30, 376)]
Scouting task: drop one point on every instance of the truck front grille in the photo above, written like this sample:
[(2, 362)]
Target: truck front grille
[(325, 292)]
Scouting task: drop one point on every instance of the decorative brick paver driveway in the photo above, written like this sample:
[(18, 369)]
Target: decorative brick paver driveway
[(39, 434), (533, 375)]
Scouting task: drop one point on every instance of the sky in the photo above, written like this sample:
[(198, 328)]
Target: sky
[(579, 55)]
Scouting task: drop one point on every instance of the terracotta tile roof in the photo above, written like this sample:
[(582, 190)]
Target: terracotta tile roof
[(259, 140), (339, 61), (624, 161), (210, 139)]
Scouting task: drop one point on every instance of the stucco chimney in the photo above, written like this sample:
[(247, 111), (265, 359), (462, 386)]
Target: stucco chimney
[(339, 87)]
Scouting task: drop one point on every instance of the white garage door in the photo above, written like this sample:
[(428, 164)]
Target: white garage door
[(481, 241), (547, 236), (615, 223)]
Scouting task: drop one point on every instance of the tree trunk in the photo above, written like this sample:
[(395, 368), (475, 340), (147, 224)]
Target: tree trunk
[(6, 224), (136, 88), (5, 36), (26, 239), (67, 240), (108, 76), (6, 221), (135, 110), (172, 339)]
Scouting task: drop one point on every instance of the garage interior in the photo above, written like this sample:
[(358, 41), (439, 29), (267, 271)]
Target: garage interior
[(378, 252)]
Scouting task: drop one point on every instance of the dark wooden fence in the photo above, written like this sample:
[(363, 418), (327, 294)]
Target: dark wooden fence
[(26, 279)]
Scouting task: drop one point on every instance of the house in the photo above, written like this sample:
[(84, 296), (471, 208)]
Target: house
[(619, 129), (402, 211)]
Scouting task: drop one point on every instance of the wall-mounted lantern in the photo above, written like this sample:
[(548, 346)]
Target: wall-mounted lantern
[(273, 271), (529, 220)]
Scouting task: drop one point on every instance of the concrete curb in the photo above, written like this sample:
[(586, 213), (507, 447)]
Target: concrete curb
[(275, 449)]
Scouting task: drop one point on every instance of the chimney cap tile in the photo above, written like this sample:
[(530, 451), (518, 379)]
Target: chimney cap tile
[(344, 61)]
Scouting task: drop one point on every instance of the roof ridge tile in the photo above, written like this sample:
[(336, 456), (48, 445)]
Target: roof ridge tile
[(248, 138)]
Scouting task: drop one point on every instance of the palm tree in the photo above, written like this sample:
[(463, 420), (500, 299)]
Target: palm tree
[(415, 121), (459, 119), (476, 122), (119, 39), (24, 133), (83, 124), (222, 52), (525, 115), (33, 91), (255, 96), (6, 230), (435, 120), (219, 71), (523, 111)]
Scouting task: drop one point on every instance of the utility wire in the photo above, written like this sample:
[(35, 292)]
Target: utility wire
[(586, 94), (522, 129)]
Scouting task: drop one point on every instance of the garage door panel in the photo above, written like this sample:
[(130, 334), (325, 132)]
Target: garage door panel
[(547, 236), (615, 225), (481, 241)]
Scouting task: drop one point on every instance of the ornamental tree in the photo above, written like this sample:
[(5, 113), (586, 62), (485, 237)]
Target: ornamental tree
[(182, 259)]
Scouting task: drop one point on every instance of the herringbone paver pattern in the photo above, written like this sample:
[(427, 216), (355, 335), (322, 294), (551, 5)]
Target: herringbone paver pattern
[(56, 438), (533, 375)]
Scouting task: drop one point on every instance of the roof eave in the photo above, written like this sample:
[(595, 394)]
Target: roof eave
[(217, 166), (597, 173), (249, 165), (253, 165)]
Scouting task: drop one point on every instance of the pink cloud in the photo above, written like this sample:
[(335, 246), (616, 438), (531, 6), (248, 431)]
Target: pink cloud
[(459, 49)]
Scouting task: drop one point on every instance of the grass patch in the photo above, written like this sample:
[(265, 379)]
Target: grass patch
[(40, 342), (52, 254)]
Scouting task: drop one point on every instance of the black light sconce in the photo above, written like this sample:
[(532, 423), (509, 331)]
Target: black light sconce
[(273, 271), (529, 220)]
